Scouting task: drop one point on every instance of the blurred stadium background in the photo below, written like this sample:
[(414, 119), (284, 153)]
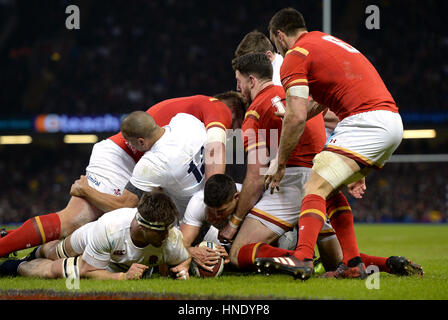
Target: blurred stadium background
[(128, 55)]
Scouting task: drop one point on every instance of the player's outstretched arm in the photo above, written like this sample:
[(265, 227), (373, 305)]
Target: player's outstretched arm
[(103, 201), (202, 256), (135, 272), (215, 159)]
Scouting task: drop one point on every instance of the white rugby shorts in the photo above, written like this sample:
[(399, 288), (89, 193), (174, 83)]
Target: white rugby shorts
[(110, 168), (280, 211), (369, 137)]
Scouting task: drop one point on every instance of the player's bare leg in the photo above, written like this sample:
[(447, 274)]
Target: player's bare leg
[(330, 171), (77, 213), (42, 229), (330, 251), (41, 268), (251, 231), (252, 245)]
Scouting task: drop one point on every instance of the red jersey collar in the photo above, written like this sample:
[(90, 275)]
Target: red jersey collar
[(261, 91), (300, 37)]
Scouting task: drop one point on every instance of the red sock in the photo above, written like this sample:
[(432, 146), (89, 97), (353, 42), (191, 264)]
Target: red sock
[(341, 219), (10, 231), (33, 232), (380, 262), (311, 220), (248, 253)]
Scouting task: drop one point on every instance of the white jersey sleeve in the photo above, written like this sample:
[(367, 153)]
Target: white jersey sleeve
[(149, 173), (174, 251), (98, 249), (276, 64), (195, 212)]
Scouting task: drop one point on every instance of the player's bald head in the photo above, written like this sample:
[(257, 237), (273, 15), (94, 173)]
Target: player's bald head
[(138, 124)]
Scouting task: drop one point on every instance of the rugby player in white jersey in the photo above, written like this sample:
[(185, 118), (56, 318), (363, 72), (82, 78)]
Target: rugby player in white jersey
[(173, 161), (121, 245)]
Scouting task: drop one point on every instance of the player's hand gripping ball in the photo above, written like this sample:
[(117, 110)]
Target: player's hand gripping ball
[(217, 269)]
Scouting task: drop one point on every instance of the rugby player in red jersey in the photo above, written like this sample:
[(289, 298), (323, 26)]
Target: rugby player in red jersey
[(266, 219), (339, 77)]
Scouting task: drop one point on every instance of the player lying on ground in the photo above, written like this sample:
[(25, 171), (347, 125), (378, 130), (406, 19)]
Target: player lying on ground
[(121, 245), (172, 161), (111, 164), (218, 203)]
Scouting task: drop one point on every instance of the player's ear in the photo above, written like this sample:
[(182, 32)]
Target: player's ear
[(236, 195), (270, 55), (252, 81), (141, 141), (281, 35)]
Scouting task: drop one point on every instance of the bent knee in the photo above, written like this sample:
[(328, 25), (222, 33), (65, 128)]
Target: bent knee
[(334, 169), (233, 255)]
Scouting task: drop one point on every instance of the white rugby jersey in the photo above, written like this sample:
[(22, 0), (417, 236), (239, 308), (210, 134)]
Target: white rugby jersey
[(276, 64), (108, 245), (195, 212), (175, 162)]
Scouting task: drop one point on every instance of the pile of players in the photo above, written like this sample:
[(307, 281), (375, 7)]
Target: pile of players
[(312, 118)]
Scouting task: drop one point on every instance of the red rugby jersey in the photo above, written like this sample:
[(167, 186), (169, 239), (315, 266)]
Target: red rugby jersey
[(211, 111), (338, 75), (260, 115)]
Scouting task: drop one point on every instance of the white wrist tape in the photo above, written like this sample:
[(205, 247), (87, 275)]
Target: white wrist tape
[(216, 134)]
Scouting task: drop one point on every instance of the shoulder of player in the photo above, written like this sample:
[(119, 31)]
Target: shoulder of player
[(196, 206), (114, 222), (174, 237), (262, 103), (307, 46)]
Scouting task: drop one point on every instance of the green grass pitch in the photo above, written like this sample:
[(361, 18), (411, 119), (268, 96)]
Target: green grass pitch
[(423, 244)]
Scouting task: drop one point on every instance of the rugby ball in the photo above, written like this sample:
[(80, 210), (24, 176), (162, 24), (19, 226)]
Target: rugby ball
[(198, 271)]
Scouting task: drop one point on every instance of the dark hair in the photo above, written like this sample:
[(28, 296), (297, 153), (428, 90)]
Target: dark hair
[(157, 206), (234, 101), (288, 20), (254, 41), (219, 189), (256, 64)]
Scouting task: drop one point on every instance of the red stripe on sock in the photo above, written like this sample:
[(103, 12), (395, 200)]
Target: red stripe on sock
[(29, 234)]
